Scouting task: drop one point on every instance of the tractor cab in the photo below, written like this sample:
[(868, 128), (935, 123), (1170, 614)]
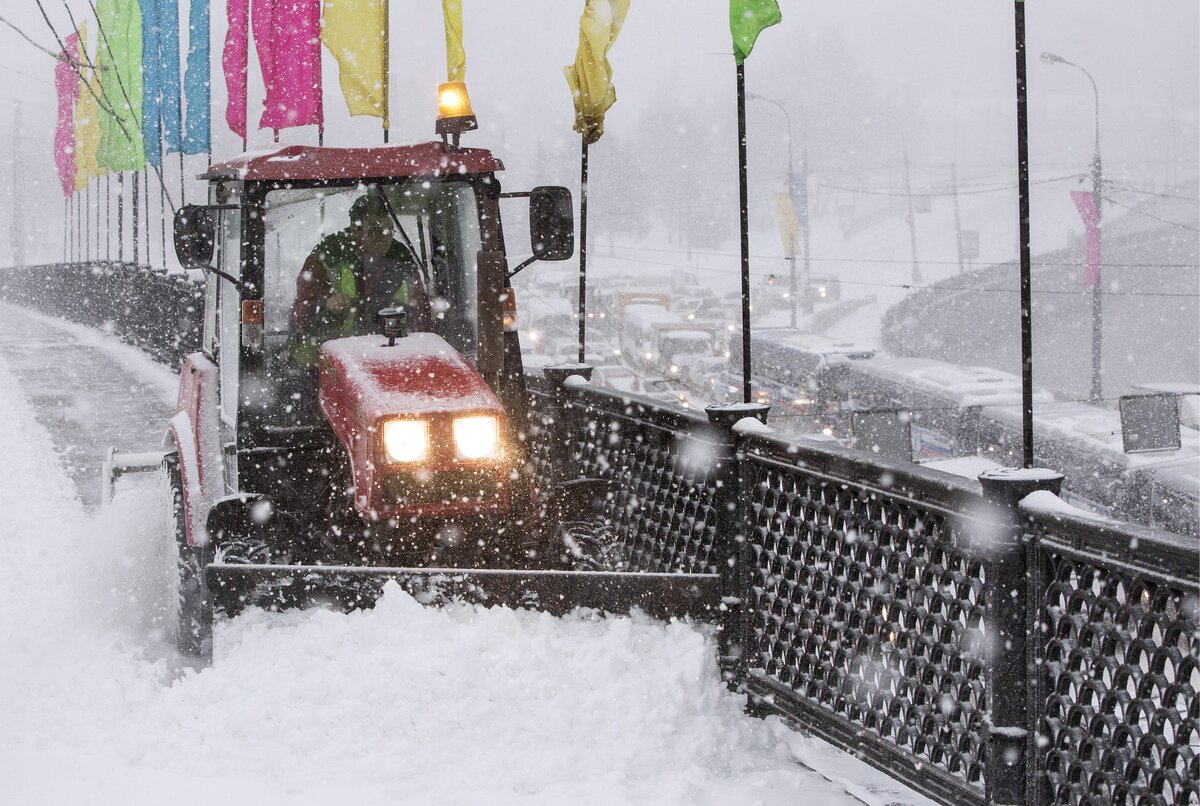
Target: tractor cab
[(302, 391)]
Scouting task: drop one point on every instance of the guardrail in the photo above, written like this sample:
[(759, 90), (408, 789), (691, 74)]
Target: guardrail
[(156, 312), (981, 646)]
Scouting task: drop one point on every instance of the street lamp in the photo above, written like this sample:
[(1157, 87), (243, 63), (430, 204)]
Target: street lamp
[(1097, 396), (793, 184)]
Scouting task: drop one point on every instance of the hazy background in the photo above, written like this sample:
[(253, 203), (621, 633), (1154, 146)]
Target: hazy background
[(863, 80)]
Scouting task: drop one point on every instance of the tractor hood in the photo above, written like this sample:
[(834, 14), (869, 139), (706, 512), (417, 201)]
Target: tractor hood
[(364, 384)]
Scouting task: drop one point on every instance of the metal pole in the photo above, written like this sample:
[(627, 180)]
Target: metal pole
[(957, 219), (912, 223), (121, 217), (66, 228), (807, 299), (146, 202), (108, 217), (583, 189), (136, 214), (387, 66), (1023, 217), (744, 202), (1098, 288), (87, 221), (17, 232)]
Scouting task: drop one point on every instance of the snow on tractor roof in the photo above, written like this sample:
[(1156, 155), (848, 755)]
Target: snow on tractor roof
[(312, 163)]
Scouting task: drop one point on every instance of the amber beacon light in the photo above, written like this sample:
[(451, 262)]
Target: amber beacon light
[(454, 115)]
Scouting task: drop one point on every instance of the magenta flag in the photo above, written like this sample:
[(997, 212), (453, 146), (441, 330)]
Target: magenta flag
[(66, 82), (233, 60), (1085, 203), (287, 36)]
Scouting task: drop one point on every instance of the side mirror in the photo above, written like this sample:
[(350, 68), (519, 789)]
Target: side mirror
[(551, 223), (195, 236)]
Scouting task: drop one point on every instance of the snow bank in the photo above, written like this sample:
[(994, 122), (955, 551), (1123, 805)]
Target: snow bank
[(398, 704)]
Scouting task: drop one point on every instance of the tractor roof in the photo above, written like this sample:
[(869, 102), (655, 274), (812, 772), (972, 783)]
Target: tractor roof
[(312, 163)]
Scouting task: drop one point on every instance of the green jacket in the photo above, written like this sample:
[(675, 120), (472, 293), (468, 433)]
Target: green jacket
[(341, 259)]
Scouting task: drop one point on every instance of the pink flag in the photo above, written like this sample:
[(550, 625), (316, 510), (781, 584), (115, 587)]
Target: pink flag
[(287, 36), (233, 59), (66, 82), (1085, 203)]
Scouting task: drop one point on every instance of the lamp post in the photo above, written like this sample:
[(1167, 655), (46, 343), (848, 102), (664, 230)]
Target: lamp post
[(794, 184), (1097, 395)]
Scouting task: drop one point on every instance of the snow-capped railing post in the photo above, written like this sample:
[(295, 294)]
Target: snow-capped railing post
[(1011, 623), (731, 544), (568, 420)]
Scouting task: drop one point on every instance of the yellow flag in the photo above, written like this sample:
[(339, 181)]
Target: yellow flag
[(87, 120), (456, 58), (355, 31), (590, 77)]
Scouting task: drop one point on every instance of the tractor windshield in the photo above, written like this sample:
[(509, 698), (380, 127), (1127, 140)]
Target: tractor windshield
[(334, 256)]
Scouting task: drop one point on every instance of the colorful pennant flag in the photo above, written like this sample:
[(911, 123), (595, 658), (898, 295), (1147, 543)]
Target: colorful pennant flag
[(590, 77), (287, 38), (87, 118), (747, 19), (161, 103), (1085, 203), (235, 65), (121, 147), (456, 57), (197, 82), (355, 31), (66, 84)]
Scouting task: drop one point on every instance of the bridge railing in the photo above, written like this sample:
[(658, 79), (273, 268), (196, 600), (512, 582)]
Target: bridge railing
[(154, 311), (981, 646)]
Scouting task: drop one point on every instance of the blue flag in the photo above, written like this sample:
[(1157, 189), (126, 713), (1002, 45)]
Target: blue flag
[(161, 102), (196, 89)]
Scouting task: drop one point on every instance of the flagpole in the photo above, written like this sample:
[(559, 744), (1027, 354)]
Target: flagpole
[(387, 68), (744, 203), (135, 214), (1023, 217), (583, 195), (108, 217), (120, 216)]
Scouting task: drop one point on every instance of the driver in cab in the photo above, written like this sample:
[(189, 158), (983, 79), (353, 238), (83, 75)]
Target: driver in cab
[(351, 275)]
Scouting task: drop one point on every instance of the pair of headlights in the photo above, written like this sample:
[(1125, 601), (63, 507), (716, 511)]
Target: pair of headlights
[(476, 437)]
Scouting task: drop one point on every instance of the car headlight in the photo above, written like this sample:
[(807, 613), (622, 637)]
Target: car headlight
[(406, 440), (477, 437)]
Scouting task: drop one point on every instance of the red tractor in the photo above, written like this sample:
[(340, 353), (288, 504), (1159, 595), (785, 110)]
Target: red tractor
[(342, 427)]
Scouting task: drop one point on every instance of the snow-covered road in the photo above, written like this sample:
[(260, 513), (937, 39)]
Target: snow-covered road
[(395, 705)]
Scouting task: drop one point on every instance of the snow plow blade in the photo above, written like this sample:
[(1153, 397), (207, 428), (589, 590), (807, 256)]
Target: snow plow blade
[(233, 587)]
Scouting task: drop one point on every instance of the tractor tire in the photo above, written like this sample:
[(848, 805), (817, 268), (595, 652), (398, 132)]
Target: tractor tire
[(589, 545), (189, 610)]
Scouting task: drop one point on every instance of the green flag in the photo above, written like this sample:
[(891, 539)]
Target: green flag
[(747, 19), (120, 49)]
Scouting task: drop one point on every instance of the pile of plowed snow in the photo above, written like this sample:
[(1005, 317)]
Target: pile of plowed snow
[(398, 704)]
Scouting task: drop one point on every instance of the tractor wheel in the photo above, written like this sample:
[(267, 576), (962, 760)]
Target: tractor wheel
[(589, 545), (189, 612)]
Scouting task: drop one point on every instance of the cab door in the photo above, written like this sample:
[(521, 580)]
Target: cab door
[(228, 342)]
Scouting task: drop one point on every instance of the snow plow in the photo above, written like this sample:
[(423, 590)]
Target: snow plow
[(357, 413)]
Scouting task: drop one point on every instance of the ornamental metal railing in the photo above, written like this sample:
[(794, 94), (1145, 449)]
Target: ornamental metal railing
[(981, 646)]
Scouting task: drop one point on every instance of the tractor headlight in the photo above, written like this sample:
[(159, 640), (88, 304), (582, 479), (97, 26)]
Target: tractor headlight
[(477, 437), (406, 440)]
